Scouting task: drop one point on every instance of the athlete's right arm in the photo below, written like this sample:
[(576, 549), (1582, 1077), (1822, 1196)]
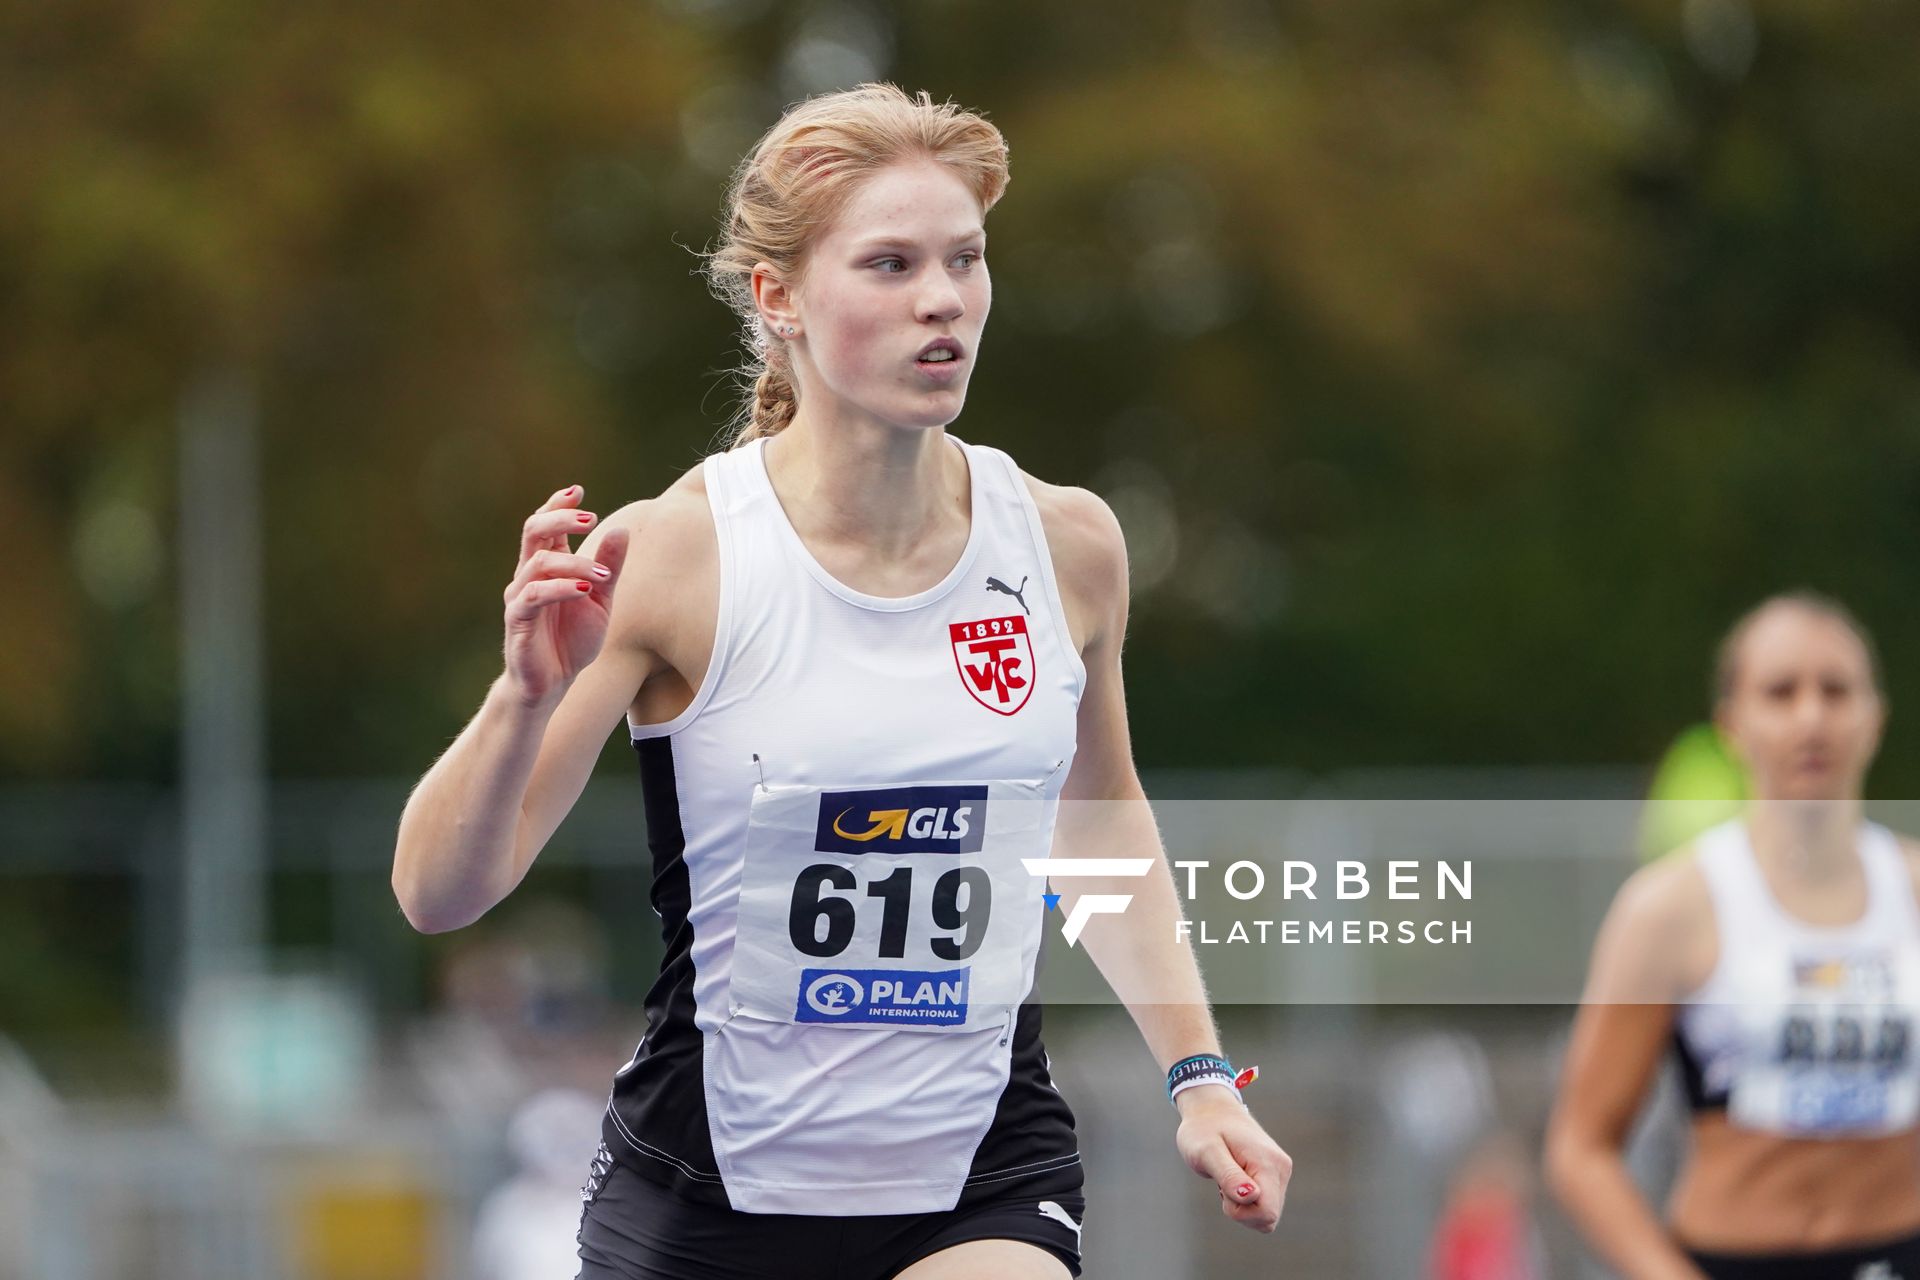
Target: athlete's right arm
[(1625, 1018), (574, 663)]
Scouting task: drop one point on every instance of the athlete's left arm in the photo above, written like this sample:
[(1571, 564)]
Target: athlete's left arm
[(1104, 814)]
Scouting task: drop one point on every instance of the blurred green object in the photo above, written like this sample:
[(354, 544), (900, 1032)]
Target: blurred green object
[(1699, 784)]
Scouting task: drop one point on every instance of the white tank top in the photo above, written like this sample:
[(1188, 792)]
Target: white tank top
[(1806, 1030), (836, 822)]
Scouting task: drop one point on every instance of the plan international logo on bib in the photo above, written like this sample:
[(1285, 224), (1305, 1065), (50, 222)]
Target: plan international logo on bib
[(937, 997), (902, 820)]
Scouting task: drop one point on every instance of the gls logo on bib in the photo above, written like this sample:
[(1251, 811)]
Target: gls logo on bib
[(902, 820)]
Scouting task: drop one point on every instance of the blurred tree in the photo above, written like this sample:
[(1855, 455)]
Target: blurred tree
[(1458, 370), (373, 209)]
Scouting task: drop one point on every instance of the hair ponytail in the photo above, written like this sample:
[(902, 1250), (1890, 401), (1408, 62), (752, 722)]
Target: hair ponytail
[(773, 404)]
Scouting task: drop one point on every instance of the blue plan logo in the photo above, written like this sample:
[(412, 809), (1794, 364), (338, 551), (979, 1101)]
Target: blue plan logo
[(883, 995)]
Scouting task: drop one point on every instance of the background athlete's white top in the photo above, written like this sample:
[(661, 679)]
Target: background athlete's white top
[(1806, 1030), (830, 687)]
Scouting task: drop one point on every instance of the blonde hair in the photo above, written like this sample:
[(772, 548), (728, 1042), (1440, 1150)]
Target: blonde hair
[(797, 179)]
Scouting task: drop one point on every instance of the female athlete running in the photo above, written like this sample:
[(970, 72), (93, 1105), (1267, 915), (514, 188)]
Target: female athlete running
[(862, 663), (1780, 956)]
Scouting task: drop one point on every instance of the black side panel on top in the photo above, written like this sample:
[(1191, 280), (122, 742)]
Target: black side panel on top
[(1031, 1136), (658, 1119), (1693, 1077)]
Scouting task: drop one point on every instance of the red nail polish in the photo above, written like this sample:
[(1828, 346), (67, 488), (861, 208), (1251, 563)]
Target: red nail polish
[(586, 519), (585, 586), (1246, 1189)]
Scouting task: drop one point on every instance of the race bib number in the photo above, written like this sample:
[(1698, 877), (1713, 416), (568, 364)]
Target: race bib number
[(902, 906), (1830, 1067)]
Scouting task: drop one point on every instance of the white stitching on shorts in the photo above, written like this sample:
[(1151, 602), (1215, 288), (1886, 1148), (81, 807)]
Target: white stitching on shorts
[(1015, 1171), (664, 1156)]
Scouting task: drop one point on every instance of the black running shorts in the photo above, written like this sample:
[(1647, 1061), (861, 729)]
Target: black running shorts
[(1889, 1260), (632, 1228)]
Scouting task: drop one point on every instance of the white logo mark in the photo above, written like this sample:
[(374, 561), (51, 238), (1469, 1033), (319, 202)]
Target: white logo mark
[(834, 994), (1048, 1209), (1090, 904)]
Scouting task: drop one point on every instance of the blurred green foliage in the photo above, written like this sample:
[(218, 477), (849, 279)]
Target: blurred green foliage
[(1459, 370)]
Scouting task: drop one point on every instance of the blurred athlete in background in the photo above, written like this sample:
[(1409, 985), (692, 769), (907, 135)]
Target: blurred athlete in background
[(1779, 957)]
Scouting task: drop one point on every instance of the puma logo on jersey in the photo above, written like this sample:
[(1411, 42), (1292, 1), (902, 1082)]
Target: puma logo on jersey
[(1049, 1209), (994, 584), (913, 819)]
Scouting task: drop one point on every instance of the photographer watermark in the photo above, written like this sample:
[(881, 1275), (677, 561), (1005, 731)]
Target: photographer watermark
[(1246, 881)]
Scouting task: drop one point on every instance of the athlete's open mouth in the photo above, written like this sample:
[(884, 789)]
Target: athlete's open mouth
[(941, 351)]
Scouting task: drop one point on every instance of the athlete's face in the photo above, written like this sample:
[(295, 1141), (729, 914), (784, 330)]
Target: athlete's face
[(1803, 712), (903, 265)]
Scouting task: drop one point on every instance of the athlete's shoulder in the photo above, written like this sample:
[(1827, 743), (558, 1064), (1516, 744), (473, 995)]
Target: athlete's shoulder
[(679, 511), (1910, 854), (672, 556), (1660, 937), (1663, 900), (1670, 887), (1089, 559), (1083, 534)]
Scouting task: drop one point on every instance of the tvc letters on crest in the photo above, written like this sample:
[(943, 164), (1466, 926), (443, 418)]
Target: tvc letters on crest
[(995, 659)]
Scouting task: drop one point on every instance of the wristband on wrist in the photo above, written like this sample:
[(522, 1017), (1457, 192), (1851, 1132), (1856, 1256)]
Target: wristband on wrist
[(1207, 1068)]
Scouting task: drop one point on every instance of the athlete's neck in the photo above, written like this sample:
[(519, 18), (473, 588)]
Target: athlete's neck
[(888, 490), (1809, 840)]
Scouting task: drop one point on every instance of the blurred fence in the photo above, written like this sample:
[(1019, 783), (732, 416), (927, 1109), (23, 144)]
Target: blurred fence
[(120, 1157)]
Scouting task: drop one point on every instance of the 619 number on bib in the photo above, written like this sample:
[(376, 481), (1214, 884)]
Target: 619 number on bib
[(821, 923)]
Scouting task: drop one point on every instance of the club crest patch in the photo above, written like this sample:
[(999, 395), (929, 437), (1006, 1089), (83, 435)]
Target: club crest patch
[(995, 659)]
